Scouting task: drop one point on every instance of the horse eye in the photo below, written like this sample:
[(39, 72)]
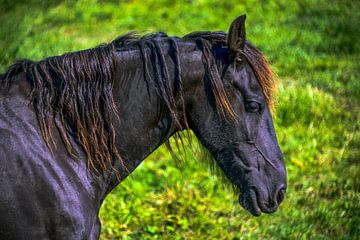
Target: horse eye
[(253, 107)]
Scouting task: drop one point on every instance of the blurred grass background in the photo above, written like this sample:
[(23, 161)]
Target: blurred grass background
[(314, 46)]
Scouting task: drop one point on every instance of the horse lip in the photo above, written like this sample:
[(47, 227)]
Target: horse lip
[(250, 200), (250, 203)]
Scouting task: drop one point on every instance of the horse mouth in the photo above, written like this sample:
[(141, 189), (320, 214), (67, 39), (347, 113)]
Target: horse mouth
[(251, 201), (248, 200)]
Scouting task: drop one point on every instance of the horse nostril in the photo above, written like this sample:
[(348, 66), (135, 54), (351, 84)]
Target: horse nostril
[(280, 195)]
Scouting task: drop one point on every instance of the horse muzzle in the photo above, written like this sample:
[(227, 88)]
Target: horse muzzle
[(256, 201)]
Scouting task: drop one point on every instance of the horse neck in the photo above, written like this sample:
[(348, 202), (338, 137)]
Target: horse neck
[(142, 127)]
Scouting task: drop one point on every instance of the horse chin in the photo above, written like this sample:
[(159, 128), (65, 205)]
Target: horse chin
[(249, 202)]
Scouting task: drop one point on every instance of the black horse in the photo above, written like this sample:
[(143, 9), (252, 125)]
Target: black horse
[(74, 126)]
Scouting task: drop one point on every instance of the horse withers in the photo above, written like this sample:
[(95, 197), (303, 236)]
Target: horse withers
[(74, 126)]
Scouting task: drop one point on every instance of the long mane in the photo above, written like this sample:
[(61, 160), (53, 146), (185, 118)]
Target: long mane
[(76, 89)]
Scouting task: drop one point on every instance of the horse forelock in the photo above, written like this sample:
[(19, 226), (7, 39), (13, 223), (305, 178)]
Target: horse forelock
[(263, 72), (255, 57)]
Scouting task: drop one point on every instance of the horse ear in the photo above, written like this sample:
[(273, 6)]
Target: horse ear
[(237, 35)]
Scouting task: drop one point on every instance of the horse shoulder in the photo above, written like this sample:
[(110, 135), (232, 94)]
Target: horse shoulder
[(43, 193)]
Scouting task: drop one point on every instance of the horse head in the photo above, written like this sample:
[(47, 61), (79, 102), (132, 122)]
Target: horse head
[(234, 123)]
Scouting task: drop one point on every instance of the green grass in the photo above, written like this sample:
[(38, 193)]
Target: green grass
[(315, 49)]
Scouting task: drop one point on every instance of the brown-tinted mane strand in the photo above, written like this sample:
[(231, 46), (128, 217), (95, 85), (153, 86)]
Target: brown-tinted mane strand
[(263, 72), (76, 89), (257, 60), (206, 41)]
